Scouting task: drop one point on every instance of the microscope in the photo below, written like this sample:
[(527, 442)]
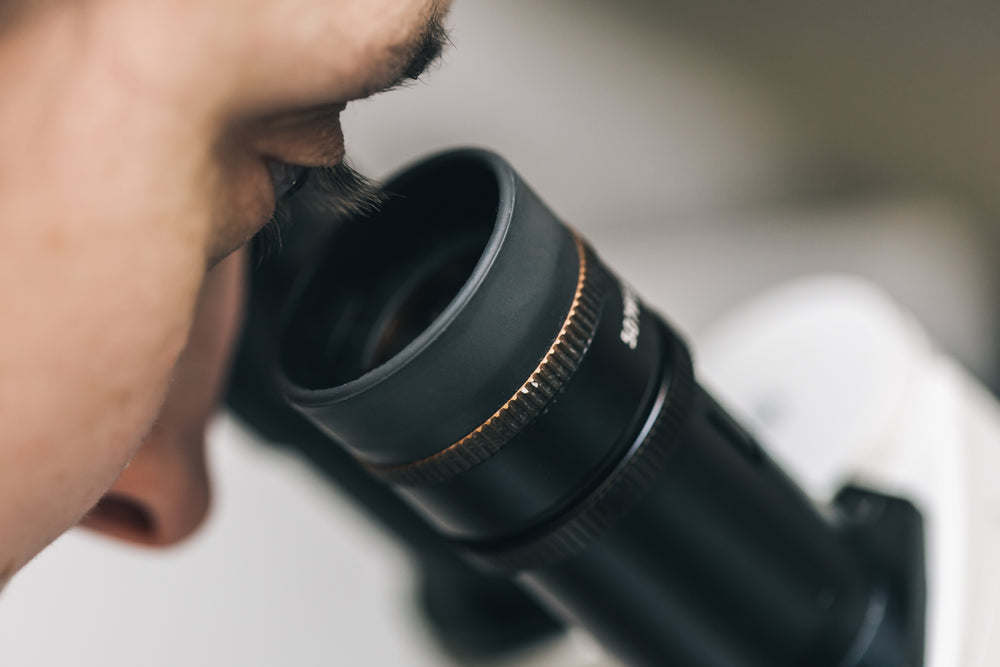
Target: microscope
[(466, 366)]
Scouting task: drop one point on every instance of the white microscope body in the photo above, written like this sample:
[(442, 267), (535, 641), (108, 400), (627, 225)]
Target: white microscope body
[(843, 386)]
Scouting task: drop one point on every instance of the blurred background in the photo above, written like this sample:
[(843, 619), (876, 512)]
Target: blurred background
[(709, 150), (733, 147)]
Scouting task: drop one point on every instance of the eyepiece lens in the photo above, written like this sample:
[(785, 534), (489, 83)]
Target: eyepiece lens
[(423, 301), (385, 280)]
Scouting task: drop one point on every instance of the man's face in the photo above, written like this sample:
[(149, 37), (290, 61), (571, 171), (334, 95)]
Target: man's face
[(142, 143), (250, 82), (221, 89)]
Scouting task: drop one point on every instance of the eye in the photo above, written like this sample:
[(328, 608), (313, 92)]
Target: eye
[(286, 178)]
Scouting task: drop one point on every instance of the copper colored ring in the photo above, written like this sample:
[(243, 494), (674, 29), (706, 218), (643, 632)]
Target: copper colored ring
[(527, 403)]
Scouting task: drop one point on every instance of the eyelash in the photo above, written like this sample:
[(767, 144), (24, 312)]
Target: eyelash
[(335, 193), (286, 179)]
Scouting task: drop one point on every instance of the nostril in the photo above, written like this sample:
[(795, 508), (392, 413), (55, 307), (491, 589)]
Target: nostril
[(122, 515), (6, 572)]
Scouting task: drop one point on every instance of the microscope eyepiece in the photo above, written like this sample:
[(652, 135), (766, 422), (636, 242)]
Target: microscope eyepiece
[(473, 352)]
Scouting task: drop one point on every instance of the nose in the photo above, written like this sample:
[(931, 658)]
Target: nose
[(163, 495)]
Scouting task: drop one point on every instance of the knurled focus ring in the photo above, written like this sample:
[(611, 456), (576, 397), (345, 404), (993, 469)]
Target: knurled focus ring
[(528, 402), (620, 492)]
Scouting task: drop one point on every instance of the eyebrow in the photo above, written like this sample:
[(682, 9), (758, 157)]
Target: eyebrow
[(415, 58)]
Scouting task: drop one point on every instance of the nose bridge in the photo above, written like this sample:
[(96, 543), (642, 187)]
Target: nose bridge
[(163, 495)]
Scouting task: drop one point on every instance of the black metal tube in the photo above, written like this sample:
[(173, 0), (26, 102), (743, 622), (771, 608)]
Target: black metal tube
[(474, 353)]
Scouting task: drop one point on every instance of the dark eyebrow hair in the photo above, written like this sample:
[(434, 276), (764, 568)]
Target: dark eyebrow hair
[(417, 57)]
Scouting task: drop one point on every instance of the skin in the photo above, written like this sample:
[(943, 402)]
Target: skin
[(135, 140)]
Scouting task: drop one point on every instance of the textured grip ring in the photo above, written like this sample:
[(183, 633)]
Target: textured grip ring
[(622, 490), (528, 402)]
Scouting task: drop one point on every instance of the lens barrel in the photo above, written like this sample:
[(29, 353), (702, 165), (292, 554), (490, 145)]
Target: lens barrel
[(475, 353)]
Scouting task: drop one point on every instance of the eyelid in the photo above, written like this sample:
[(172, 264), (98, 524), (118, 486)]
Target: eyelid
[(310, 138)]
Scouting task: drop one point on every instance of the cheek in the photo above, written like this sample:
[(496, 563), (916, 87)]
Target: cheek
[(241, 202)]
